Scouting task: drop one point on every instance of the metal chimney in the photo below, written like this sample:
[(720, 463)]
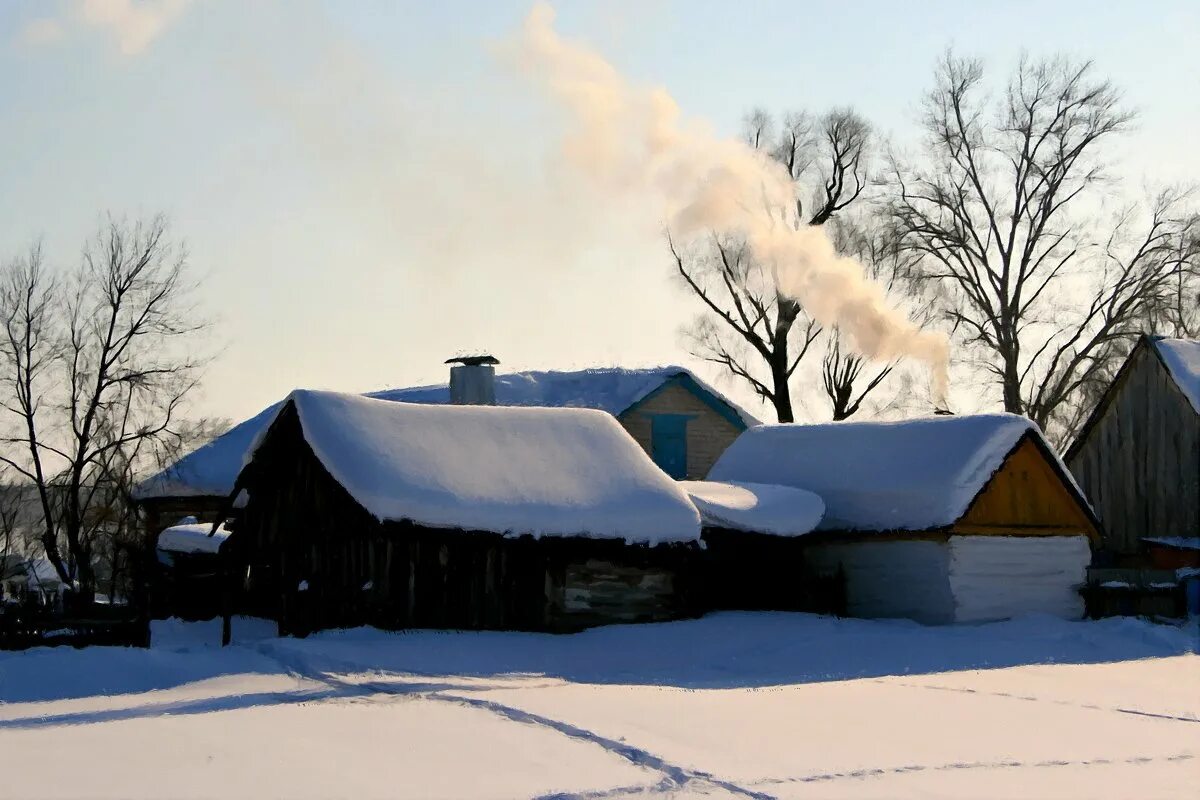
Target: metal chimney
[(473, 380)]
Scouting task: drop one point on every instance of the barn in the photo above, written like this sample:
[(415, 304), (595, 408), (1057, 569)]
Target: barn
[(941, 519), (680, 421), (1138, 456), (362, 510)]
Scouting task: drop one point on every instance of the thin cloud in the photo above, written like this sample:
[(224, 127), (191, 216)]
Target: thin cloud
[(42, 31), (132, 25)]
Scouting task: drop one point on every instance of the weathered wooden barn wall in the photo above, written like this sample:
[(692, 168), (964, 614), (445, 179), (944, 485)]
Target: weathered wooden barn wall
[(708, 433), (1139, 459), (316, 559)]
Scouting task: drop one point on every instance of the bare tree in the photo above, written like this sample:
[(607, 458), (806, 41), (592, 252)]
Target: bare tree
[(846, 376), (750, 328), (1004, 212), (94, 368)]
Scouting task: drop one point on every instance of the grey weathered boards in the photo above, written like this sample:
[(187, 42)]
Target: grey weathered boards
[(1138, 456)]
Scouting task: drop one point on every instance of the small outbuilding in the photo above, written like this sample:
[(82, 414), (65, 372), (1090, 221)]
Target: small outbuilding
[(1138, 457), (189, 580), (362, 510), (940, 519)]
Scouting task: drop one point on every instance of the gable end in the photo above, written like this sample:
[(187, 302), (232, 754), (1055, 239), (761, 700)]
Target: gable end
[(1029, 495)]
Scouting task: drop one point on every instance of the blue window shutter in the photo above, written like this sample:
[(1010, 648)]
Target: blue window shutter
[(668, 443)]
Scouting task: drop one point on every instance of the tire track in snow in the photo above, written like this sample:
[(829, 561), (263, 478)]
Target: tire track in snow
[(875, 772), (679, 777), (1033, 699), (675, 777)]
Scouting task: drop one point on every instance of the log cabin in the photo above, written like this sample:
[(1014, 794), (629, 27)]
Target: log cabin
[(681, 422), (362, 510), (943, 519), (1138, 458)]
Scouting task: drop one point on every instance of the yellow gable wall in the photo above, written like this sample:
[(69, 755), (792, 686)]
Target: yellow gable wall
[(1026, 496), (708, 433)]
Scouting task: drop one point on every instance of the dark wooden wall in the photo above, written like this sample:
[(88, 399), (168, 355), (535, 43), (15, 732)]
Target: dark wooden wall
[(1138, 461), (300, 527), (757, 572)]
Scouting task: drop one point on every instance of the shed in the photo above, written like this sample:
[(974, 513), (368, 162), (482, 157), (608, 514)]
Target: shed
[(189, 580), (362, 510), (1138, 454), (939, 519), (683, 423)]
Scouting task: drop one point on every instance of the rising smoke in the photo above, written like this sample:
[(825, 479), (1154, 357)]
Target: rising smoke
[(633, 139)]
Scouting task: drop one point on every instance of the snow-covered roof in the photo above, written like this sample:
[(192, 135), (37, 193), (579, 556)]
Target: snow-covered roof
[(192, 538), (611, 389), (210, 470), (877, 476), (755, 507), (1182, 357), (538, 471)]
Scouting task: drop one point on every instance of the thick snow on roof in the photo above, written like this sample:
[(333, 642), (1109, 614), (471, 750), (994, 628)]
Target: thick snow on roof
[(212, 469), (755, 507), (539, 471), (192, 538), (878, 476), (1182, 357)]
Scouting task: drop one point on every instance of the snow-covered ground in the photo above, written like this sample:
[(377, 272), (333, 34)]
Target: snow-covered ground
[(733, 705)]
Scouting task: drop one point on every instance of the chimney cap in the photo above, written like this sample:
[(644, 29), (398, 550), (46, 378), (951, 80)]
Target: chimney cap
[(474, 361)]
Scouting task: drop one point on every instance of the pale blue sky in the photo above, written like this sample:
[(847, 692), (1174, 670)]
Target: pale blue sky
[(366, 188)]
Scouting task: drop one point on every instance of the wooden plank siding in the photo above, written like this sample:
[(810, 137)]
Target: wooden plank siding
[(315, 558), (708, 433), (1138, 458), (1027, 496)]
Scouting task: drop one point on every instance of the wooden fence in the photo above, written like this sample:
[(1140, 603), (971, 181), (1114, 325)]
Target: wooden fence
[(119, 626)]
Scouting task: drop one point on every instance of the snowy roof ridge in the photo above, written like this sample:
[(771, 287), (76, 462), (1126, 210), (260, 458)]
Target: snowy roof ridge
[(554, 388), (1182, 360), (514, 471), (212, 468), (915, 474)]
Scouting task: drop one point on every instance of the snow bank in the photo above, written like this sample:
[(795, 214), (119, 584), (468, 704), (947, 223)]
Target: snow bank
[(539, 471), (878, 476), (1182, 357), (211, 469), (756, 507), (192, 538), (998, 577)]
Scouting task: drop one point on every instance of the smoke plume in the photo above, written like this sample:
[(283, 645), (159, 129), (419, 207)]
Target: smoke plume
[(633, 139)]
